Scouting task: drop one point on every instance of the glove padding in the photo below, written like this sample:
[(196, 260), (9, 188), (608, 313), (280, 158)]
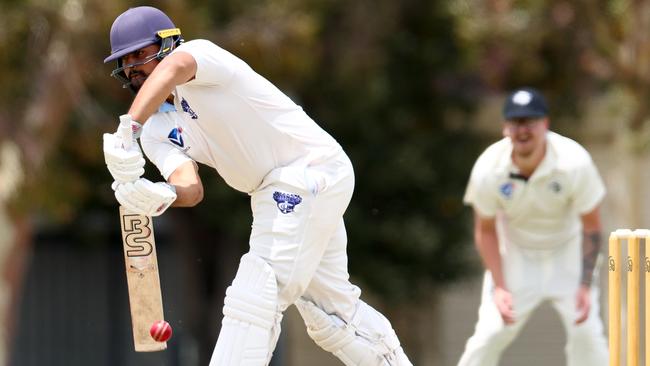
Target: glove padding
[(145, 197), (125, 165)]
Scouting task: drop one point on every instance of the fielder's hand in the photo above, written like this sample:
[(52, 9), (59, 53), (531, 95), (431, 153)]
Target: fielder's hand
[(145, 197), (583, 304), (124, 158), (503, 300)]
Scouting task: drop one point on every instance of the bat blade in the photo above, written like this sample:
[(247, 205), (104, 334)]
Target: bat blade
[(145, 296)]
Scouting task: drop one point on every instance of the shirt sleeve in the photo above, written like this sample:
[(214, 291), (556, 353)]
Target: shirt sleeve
[(589, 189), (163, 155), (214, 65), (478, 193)]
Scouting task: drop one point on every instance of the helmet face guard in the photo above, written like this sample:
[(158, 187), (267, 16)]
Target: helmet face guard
[(169, 39)]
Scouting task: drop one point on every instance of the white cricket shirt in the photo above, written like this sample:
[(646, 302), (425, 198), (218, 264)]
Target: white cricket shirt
[(544, 211), (233, 120)]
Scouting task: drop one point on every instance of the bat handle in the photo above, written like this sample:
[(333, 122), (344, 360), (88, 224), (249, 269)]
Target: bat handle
[(126, 131)]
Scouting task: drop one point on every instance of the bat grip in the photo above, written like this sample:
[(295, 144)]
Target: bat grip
[(125, 130)]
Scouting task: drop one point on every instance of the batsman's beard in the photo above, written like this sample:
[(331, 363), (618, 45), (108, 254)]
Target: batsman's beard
[(136, 79)]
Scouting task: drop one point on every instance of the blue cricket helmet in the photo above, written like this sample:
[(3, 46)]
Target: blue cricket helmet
[(137, 28)]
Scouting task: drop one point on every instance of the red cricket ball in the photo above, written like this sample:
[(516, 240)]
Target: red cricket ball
[(161, 331)]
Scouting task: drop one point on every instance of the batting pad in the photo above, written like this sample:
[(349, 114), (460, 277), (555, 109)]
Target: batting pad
[(251, 323), (367, 340)]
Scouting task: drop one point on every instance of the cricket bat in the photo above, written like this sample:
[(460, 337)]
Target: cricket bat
[(145, 297)]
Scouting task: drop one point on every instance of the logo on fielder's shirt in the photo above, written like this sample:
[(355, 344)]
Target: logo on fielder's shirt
[(188, 109), (175, 137), (286, 201), (506, 189), (555, 187)]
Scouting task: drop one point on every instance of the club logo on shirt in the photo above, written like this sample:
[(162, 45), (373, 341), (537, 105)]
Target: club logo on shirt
[(555, 187), (176, 137), (506, 189), (286, 201), (188, 109)]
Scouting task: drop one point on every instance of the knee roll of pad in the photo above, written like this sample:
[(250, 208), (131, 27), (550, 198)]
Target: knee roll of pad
[(367, 340), (253, 295), (251, 323)]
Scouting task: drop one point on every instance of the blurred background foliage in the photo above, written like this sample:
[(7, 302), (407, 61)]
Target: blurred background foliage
[(399, 84)]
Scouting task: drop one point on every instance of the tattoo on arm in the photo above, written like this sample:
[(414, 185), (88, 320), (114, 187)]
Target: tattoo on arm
[(591, 243)]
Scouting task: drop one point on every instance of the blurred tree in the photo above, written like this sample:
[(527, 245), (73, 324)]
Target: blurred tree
[(389, 82), (35, 104)]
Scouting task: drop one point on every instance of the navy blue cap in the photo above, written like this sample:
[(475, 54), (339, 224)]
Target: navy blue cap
[(525, 103)]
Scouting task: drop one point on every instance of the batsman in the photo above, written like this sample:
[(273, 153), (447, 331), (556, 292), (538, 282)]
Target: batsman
[(536, 197), (196, 103)]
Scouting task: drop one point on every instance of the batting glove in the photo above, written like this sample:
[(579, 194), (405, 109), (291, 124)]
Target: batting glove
[(145, 197), (125, 165)]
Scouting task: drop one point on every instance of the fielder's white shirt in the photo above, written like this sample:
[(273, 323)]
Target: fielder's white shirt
[(233, 120), (543, 212)]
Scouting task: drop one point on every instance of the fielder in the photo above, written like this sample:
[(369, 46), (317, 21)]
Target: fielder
[(197, 103), (535, 196)]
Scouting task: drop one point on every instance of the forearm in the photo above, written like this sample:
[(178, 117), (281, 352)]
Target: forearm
[(187, 196), (487, 244), (591, 243), (153, 93), (176, 69), (488, 248), (189, 188)]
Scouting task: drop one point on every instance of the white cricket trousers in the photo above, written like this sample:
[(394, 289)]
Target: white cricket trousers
[(534, 276), (306, 244)]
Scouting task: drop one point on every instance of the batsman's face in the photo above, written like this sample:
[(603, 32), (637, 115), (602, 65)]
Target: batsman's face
[(527, 134), (140, 64)]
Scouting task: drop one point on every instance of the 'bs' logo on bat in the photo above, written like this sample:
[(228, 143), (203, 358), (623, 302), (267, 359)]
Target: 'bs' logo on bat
[(137, 231)]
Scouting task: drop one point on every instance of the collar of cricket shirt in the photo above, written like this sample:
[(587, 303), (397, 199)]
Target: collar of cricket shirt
[(166, 107)]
